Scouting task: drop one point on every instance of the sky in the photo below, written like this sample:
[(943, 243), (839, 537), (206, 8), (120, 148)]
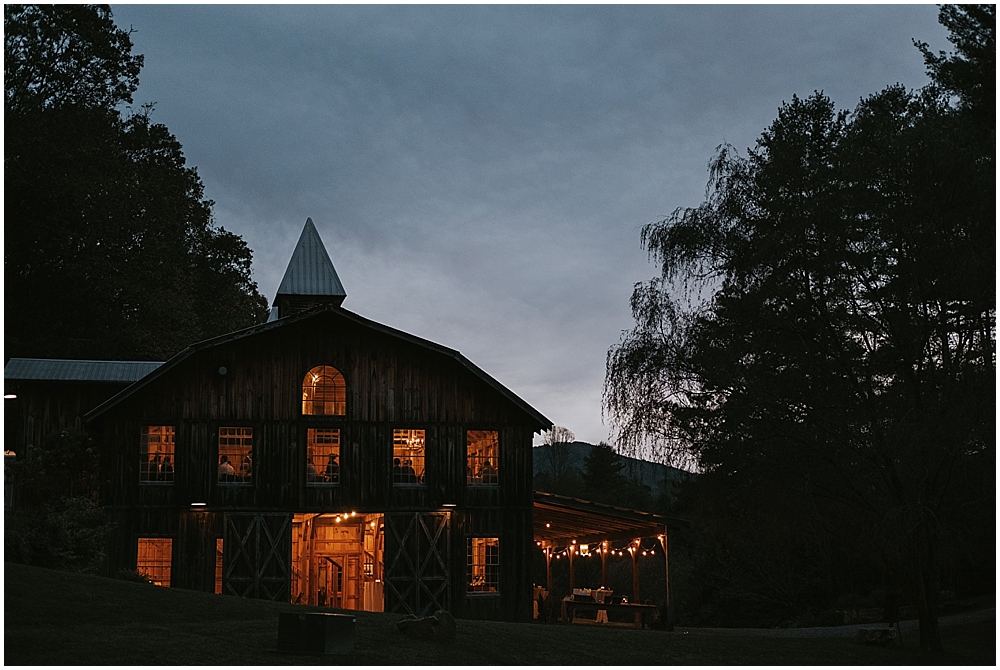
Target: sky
[(480, 174)]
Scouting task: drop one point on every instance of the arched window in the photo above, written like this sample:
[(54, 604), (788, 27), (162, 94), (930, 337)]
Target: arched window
[(324, 392)]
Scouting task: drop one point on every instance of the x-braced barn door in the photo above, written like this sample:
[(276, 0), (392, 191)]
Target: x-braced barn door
[(417, 547), (257, 556)]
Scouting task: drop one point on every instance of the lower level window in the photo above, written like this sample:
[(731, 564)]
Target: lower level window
[(484, 564), (218, 565), (323, 456), (235, 454), (153, 559)]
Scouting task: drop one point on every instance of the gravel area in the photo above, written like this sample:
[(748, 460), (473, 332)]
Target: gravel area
[(842, 631)]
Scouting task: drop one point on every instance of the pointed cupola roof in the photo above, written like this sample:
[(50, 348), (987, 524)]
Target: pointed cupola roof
[(310, 278)]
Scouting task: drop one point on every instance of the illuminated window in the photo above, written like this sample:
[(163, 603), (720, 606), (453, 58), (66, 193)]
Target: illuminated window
[(156, 454), (218, 565), (236, 454), (408, 456), (153, 559), (484, 564), (323, 456), (482, 457), (324, 392)]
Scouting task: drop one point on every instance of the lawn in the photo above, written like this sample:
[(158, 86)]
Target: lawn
[(58, 618)]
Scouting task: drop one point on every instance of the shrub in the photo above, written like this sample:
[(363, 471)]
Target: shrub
[(127, 575), (67, 534)]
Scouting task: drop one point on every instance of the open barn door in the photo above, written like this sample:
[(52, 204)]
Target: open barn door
[(257, 556), (417, 547)]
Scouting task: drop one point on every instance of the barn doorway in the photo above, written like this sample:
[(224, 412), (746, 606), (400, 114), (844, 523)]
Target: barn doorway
[(337, 560)]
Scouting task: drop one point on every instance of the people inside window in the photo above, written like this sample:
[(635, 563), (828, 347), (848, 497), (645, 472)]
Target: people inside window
[(408, 447), (324, 392), (153, 559), (323, 456), (236, 454), (482, 457), (484, 564), (156, 454)]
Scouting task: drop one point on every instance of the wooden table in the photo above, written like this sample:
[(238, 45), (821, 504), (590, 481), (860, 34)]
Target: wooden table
[(569, 607)]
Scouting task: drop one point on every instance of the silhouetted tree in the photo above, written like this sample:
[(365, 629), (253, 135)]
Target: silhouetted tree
[(602, 475), (557, 455), (841, 348), (110, 249)]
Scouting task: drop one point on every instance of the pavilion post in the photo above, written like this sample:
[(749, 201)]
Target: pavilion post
[(548, 569), (634, 550), (668, 605), (572, 573), (604, 564)]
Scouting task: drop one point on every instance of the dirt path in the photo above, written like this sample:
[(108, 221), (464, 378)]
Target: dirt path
[(842, 631)]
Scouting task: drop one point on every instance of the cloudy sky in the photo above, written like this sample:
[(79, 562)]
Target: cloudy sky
[(480, 174)]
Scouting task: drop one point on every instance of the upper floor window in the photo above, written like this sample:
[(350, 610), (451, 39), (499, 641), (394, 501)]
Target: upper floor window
[(482, 449), (408, 456), (323, 456), (324, 392), (156, 454), (235, 454)]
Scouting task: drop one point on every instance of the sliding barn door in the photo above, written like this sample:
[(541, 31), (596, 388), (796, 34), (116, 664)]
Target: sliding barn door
[(417, 546), (257, 552)]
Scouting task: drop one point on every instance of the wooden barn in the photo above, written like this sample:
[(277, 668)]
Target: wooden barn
[(324, 458)]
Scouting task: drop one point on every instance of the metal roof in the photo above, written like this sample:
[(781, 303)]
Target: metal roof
[(61, 369), (310, 271), (558, 520)]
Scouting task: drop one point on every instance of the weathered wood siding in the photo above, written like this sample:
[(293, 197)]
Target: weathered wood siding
[(43, 407), (391, 383)]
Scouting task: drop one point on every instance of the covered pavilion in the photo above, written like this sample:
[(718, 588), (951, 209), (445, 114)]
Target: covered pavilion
[(573, 527)]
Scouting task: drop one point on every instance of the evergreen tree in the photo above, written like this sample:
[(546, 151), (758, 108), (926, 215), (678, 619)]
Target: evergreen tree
[(110, 250), (602, 478)]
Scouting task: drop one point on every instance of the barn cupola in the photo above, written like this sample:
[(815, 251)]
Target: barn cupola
[(310, 278)]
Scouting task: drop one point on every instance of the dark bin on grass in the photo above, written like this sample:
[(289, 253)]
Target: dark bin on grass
[(315, 633)]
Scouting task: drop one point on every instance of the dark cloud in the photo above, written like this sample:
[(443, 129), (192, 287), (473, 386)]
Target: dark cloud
[(480, 174)]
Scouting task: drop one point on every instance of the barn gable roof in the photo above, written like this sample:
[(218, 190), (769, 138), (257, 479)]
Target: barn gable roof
[(72, 370), (540, 421), (310, 271)]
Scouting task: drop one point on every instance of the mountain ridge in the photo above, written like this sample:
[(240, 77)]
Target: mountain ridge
[(645, 472)]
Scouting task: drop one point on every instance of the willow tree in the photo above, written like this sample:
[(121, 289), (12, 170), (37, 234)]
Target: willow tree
[(825, 321)]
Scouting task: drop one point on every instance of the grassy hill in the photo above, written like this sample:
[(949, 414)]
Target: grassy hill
[(59, 618)]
